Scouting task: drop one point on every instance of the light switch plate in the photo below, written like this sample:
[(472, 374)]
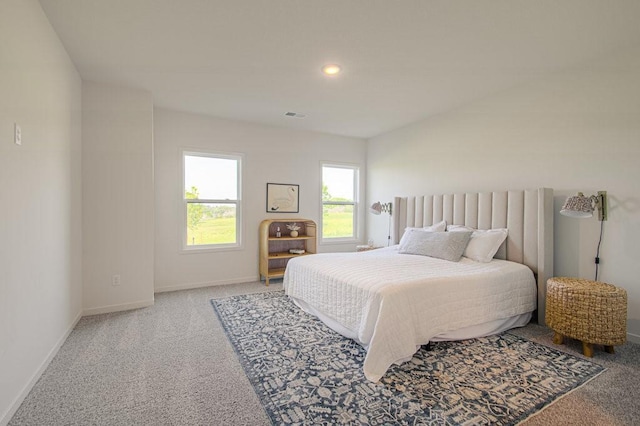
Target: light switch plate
[(17, 136)]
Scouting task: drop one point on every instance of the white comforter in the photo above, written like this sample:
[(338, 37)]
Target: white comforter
[(392, 303)]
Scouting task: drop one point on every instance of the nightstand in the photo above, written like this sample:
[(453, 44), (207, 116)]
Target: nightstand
[(366, 248), (590, 311)]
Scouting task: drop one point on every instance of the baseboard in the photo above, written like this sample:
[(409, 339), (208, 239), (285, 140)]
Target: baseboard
[(189, 286), (633, 338), (4, 419), (117, 308)]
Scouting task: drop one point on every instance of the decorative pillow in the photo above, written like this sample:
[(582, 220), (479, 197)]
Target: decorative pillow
[(407, 231), (436, 227), (443, 245), (483, 244)]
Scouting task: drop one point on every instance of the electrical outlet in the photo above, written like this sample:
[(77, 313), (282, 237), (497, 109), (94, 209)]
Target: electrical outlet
[(115, 280)]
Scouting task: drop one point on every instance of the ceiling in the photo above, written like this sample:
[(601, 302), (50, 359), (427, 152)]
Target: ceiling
[(403, 60)]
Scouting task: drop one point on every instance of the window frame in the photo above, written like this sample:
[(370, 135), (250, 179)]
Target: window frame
[(184, 202), (355, 203)]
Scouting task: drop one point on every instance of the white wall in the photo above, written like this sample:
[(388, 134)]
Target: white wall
[(40, 209), (271, 154), (117, 197), (577, 130)]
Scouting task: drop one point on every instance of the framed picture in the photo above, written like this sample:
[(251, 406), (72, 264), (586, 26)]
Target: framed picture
[(282, 198)]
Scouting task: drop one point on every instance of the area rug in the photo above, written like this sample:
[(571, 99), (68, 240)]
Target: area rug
[(305, 373)]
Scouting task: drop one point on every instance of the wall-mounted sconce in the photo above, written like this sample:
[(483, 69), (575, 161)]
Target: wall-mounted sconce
[(377, 208), (581, 206)]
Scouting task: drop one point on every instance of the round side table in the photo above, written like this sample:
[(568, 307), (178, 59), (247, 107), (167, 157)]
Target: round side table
[(590, 311)]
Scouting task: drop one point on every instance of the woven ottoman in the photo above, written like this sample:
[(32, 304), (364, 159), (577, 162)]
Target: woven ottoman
[(590, 311)]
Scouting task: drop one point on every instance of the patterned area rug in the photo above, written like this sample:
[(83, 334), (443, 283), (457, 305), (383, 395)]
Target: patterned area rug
[(305, 373)]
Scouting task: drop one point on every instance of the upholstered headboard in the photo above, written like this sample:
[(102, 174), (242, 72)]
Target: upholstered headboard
[(528, 215)]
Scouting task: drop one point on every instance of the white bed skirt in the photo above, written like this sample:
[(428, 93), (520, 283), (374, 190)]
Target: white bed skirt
[(471, 332)]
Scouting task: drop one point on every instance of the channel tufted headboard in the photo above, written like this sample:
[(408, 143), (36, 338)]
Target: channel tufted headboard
[(528, 215)]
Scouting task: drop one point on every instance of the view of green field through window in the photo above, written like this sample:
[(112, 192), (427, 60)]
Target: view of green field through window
[(338, 201), (213, 182)]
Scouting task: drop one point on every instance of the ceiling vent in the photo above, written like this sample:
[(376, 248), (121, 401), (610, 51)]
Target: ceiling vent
[(294, 114)]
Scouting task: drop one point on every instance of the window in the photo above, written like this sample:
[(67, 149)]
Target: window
[(212, 200), (339, 202)]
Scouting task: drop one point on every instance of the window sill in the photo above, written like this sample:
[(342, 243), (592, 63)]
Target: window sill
[(197, 250), (327, 242)]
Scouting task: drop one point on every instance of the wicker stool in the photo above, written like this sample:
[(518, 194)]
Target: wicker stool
[(589, 311)]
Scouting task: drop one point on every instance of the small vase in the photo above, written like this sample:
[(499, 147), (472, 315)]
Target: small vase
[(294, 234)]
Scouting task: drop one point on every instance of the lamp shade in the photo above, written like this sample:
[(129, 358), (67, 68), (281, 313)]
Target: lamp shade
[(578, 206), (378, 207)]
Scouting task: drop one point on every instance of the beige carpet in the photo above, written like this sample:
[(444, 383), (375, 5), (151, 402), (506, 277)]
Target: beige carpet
[(172, 364)]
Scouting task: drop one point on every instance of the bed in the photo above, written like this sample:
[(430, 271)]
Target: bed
[(392, 302)]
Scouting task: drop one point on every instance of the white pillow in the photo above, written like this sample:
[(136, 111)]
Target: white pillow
[(443, 245), (457, 228), (483, 244), (436, 227)]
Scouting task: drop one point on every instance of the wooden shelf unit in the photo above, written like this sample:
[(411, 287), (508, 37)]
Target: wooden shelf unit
[(274, 251)]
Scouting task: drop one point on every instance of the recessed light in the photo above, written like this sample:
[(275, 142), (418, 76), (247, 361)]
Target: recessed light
[(331, 69)]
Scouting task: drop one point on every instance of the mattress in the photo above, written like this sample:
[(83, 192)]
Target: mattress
[(392, 303)]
